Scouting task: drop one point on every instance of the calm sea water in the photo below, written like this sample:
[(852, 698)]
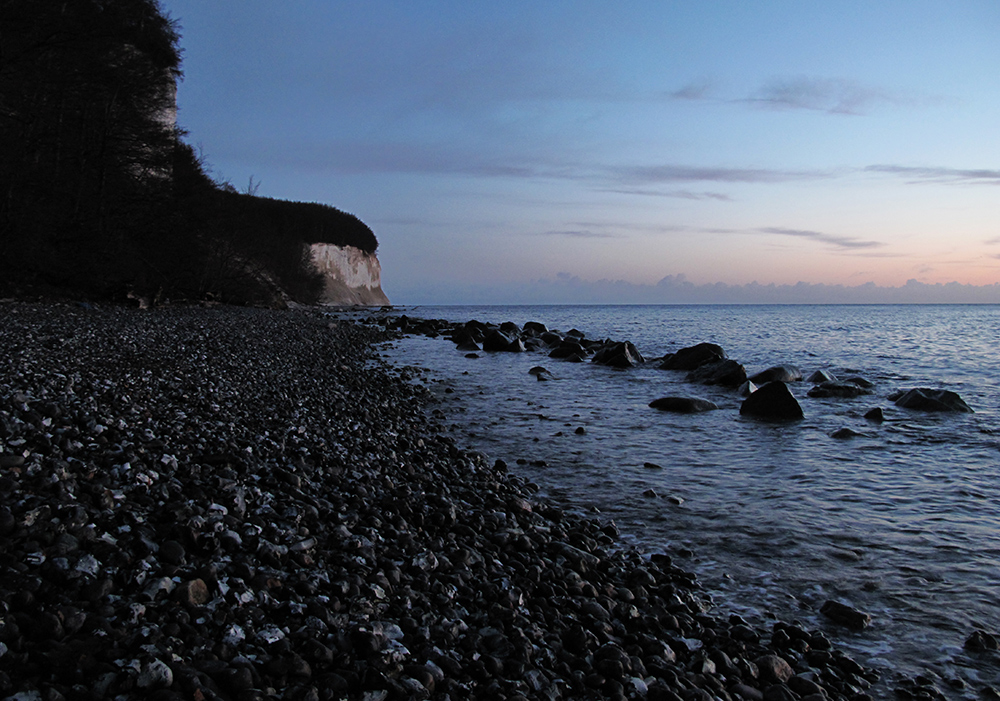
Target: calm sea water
[(902, 522)]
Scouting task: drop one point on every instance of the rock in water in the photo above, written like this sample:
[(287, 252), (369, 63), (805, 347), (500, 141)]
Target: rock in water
[(838, 389), (727, 373), (693, 357), (777, 373), (875, 415), (821, 376), (925, 399), (845, 615), (773, 401), (683, 405), (618, 355)]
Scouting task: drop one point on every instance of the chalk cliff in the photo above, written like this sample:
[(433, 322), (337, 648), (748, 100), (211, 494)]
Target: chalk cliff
[(351, 275)]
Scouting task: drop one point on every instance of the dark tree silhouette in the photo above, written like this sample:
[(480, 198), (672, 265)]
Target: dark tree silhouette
[(99, 194), (86, 134)]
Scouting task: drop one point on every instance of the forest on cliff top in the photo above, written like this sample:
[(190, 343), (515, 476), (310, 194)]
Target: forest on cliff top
[(101, 197)]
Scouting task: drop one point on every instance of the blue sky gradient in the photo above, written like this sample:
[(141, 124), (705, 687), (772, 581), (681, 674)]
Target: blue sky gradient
[(501, 149)]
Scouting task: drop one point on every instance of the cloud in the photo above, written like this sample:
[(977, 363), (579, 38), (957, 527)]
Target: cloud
[(938, 174), (993, 241), (580, 234), (693, 91), (830, 95), (845, 242), (672, 173), (677, 194)]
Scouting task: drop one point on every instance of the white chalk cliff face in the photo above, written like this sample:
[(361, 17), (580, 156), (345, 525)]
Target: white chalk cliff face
[(351, 275)]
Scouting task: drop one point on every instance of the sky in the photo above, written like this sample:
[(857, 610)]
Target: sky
[(553, 152)]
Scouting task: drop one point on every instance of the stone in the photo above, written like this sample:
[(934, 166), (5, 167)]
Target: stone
[(618, 355), (773, 401), (192, 593), (569, 349), (837, 389), (980, 640), (693, 357), (683, 405), (726, 373), (875, 415), (844, 433), (845, 615), (777, 373), (773, 669), (821, 376), (925, 399)]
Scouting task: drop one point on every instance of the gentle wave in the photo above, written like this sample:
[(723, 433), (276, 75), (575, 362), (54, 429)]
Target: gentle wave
[(901, 521)]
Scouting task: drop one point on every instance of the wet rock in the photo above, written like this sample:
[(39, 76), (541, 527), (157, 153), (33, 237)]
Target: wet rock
[(726, 373), (774, 402), (925, 399), (777, 373), (693, 357), (846, 615), (821, 376), (683, 405), (845, 434), (837, 389), (875, 415), (618, 355), (980, 640)]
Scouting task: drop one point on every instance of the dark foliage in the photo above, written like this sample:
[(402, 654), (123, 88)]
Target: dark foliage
[(99, 195)]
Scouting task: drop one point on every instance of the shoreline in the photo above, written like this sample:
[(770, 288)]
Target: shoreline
[(245, 504)]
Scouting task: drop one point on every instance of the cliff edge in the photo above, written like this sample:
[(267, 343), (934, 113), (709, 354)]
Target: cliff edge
[(350, 275)]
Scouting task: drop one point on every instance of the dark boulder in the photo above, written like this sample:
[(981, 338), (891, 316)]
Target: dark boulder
[(497, 341), (534, 328), (727, 373), (550, 338), (567, 349), (693, 357), (777, 373), (511, 329), (844, 434), (541, 374), (875, 415), (683, 405), (837, 389), (924, 399), (618, 355), (773, 401), (821, 376), (845, 615), (465, 341), (860, 381), (746, 389)]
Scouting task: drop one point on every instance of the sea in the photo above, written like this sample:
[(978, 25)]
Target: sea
[(901, 521)]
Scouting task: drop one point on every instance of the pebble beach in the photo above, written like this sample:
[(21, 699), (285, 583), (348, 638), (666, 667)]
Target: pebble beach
[(235, 503)]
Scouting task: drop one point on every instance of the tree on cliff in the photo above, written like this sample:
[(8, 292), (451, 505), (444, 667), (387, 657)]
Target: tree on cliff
[(86, 135), (99, 194)]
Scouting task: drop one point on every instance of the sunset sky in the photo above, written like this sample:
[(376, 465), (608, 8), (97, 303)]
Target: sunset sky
[(510, 152)]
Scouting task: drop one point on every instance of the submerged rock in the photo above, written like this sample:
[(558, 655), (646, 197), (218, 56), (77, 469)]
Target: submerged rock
[(727, 373), (777, 373), (683, 405), (837, 389), (845, 615), (925, 399)]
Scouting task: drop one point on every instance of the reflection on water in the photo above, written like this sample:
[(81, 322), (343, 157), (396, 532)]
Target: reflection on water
[(900, 521)]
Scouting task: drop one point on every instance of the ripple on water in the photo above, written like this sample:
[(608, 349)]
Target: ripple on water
[(900, 521)]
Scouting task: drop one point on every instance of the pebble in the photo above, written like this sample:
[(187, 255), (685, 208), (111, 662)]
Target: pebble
[(245, 503)]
